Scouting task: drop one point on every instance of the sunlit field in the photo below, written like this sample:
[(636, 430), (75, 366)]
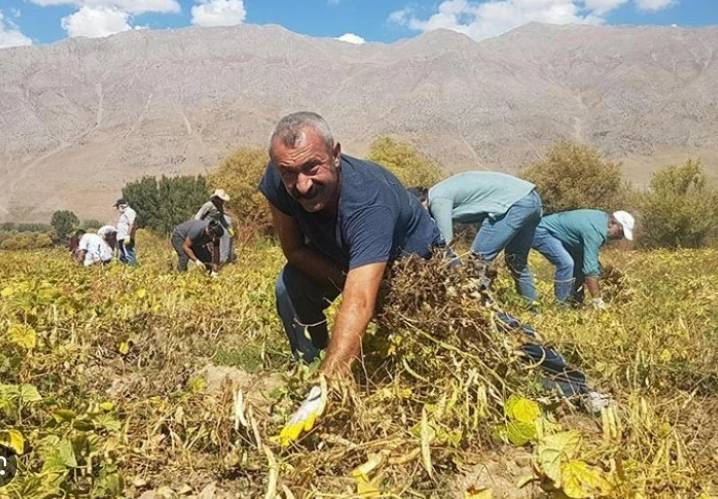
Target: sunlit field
[(118, 382)]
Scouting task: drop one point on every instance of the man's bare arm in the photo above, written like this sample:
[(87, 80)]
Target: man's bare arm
[(357, 308), (302, 257), (592, 286), (187, 248)]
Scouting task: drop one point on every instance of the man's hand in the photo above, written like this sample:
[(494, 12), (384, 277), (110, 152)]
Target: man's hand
[(127, 239), (599, 304), (200, 264), (304, 418)]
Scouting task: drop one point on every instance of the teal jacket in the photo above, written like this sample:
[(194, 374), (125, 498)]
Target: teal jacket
[(581, 232), (469, 197)]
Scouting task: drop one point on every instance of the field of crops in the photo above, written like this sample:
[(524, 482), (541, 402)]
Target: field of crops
[(121, 382)]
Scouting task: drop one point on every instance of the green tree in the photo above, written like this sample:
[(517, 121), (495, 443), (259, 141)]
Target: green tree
[(573, 176), (410, 166), (680, 210), (63, 222), (162, 204), (239, 175)]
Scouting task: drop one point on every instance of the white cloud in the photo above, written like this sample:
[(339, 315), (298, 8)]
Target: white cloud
[(131, 6), (654, 5), (481, 20), (351, 38), (96, 22), (600, 7), (219, 13), (10, 35)]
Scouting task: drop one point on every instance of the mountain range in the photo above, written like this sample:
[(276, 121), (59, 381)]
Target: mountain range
[(82, 117)]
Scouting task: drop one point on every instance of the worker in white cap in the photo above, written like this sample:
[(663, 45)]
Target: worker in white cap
[(571, 241), (214, 210)]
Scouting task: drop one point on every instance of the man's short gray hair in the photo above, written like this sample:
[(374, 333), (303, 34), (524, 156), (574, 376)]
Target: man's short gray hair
[(290, 129)]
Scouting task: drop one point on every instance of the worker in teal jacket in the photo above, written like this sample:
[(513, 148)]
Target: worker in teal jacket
[(506, 211), (571, 241)]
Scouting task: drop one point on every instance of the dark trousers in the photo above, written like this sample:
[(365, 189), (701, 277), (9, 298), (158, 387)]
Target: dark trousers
[(202, 253), (301, 302)]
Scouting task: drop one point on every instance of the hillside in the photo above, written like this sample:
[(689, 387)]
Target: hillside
[(83, 116)]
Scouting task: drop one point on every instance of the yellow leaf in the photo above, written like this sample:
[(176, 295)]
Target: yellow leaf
[(370, 465), (426, 436), (580, 481), (666, 355), (141, 293), (124, 348), (8, 291), (522, 409), (14, 440), (23, 335)]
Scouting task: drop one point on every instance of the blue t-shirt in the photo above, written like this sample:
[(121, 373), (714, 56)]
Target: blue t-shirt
[(377, 219)]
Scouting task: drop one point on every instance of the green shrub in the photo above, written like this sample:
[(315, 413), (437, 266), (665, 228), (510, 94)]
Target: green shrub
[(239, 175), (410, 166), (64, 222), (574, 176), (162, 204), (680, 210)]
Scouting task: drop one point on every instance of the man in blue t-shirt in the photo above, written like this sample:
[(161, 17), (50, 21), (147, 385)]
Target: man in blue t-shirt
[(340, 221)]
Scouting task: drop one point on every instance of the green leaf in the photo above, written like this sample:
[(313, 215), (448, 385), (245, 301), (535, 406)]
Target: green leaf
[(22, 335), (61, 415), (57, 454), (520, 433), (28, 393), (555, 449), (580, 481)]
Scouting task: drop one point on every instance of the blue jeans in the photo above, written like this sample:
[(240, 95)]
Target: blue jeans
[(127, 252), (301, 302), (568, 277), (513, 233)]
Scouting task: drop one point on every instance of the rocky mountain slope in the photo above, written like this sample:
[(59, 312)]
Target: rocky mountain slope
[(83, 116)]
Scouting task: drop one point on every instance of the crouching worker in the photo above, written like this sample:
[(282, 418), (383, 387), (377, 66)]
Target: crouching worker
[(571, 241), (91, 249), (197, 241), (506, 211), (340, 221)]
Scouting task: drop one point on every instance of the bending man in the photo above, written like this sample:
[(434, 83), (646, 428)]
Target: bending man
[(506, 211), (571, 241), (197, 241)]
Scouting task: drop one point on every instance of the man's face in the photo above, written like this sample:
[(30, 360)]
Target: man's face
[(615, 229), (309, 171)]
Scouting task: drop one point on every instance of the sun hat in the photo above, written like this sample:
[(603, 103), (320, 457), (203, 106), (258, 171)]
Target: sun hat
[(627, 222), (219, 193)]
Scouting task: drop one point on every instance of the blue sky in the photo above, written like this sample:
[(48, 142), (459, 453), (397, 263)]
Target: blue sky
[(24, 22)]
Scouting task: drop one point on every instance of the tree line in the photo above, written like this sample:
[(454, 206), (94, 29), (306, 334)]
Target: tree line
[(678, 209)]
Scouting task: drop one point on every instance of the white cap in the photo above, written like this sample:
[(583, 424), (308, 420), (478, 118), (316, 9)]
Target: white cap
[(221, 194), (627, 222)]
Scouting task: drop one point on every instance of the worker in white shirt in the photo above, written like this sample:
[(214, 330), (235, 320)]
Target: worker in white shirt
[(126, 232), (92, 249)]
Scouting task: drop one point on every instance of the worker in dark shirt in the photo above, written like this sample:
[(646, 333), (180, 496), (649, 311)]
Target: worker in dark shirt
[(197, 241), (340, 221)]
